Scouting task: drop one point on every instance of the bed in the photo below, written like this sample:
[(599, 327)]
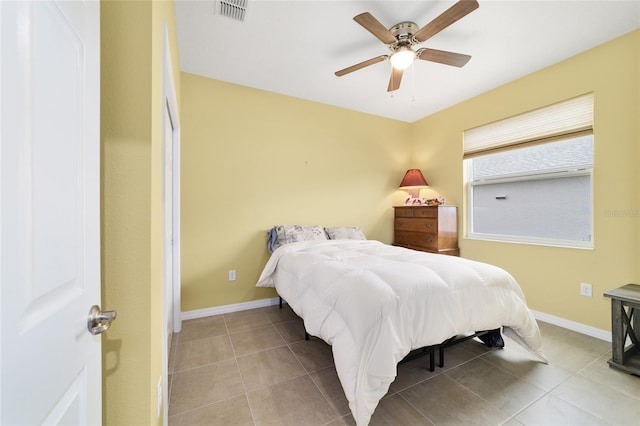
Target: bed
[(374, 303)]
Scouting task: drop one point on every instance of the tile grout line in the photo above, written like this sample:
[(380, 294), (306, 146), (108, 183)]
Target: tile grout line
[(208, 405), (576, 407), (308, 373), (235, 360), (414, 407), (326, 398), (268, 349), (547, 393), (509, 416), (209, 364), (578, 375)]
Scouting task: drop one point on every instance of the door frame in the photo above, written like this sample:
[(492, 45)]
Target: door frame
[(170, 107), (170, 103)]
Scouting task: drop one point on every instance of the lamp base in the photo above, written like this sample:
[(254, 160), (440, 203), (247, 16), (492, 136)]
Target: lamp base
[(414, 192)]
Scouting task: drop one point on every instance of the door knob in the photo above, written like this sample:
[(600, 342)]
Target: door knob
[(99, 321)]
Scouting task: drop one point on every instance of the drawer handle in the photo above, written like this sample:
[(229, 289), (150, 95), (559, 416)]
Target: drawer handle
[(429, 225), (430, 240)]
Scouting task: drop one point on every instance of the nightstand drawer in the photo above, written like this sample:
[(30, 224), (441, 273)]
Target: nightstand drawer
[(426, 212), (427, 241), (417, 211), (417, 225), (404, 211)]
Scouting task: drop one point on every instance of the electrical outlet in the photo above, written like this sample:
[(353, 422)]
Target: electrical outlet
[(586, 289), (232, 275)]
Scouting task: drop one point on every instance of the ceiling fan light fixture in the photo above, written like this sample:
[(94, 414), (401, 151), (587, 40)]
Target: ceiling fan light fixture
[(402, 58), (401, 37)]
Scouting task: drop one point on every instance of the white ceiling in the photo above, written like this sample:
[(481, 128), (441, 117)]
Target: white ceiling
[(293, 47)]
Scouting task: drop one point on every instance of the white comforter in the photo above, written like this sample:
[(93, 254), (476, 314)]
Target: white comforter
[(373, 303)]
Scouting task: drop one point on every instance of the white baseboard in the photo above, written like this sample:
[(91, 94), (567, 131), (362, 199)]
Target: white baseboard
[(572, 325), (227, 309)]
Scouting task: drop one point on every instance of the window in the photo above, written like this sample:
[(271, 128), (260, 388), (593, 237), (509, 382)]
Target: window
[(534, 187)]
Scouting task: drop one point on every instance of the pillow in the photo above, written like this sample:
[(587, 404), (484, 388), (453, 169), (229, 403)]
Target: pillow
[(285, 234), (345, 233)]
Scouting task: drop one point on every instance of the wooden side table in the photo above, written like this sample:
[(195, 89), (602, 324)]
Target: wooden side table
[(432, 229), (625, 321)]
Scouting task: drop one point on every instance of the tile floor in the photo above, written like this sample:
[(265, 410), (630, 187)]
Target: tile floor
[(255, 368)]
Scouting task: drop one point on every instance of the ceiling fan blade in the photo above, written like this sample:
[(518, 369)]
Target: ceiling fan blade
[(394, 81), (443, 57), (448, 17), (361, 65), (374, 26)]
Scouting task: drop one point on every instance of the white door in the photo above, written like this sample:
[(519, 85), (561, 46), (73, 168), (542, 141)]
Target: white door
[(50, 211)]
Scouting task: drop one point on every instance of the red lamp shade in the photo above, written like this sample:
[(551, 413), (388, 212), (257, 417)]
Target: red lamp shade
[(413, 180)]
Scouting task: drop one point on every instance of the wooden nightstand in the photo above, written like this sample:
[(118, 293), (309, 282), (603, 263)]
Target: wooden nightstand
[(427, 228)]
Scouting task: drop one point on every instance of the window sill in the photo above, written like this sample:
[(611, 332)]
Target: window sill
[(582, 245)]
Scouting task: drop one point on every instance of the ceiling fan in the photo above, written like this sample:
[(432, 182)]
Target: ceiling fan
[(401, 38)]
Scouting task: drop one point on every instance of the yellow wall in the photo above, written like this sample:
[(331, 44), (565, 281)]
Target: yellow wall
[(253, 159), (131, 136), (549, 276)]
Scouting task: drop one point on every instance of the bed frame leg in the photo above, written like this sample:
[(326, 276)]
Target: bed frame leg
[(306, 335), (441, 356), (432, 360)]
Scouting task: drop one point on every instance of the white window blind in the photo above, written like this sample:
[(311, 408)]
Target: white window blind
[(566, 117)]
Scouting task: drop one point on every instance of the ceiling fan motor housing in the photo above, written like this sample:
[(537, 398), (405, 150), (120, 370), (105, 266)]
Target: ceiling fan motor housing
[(404, 31)]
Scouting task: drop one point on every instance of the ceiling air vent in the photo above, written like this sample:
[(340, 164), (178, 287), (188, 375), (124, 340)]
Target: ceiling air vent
[(234, 9)]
